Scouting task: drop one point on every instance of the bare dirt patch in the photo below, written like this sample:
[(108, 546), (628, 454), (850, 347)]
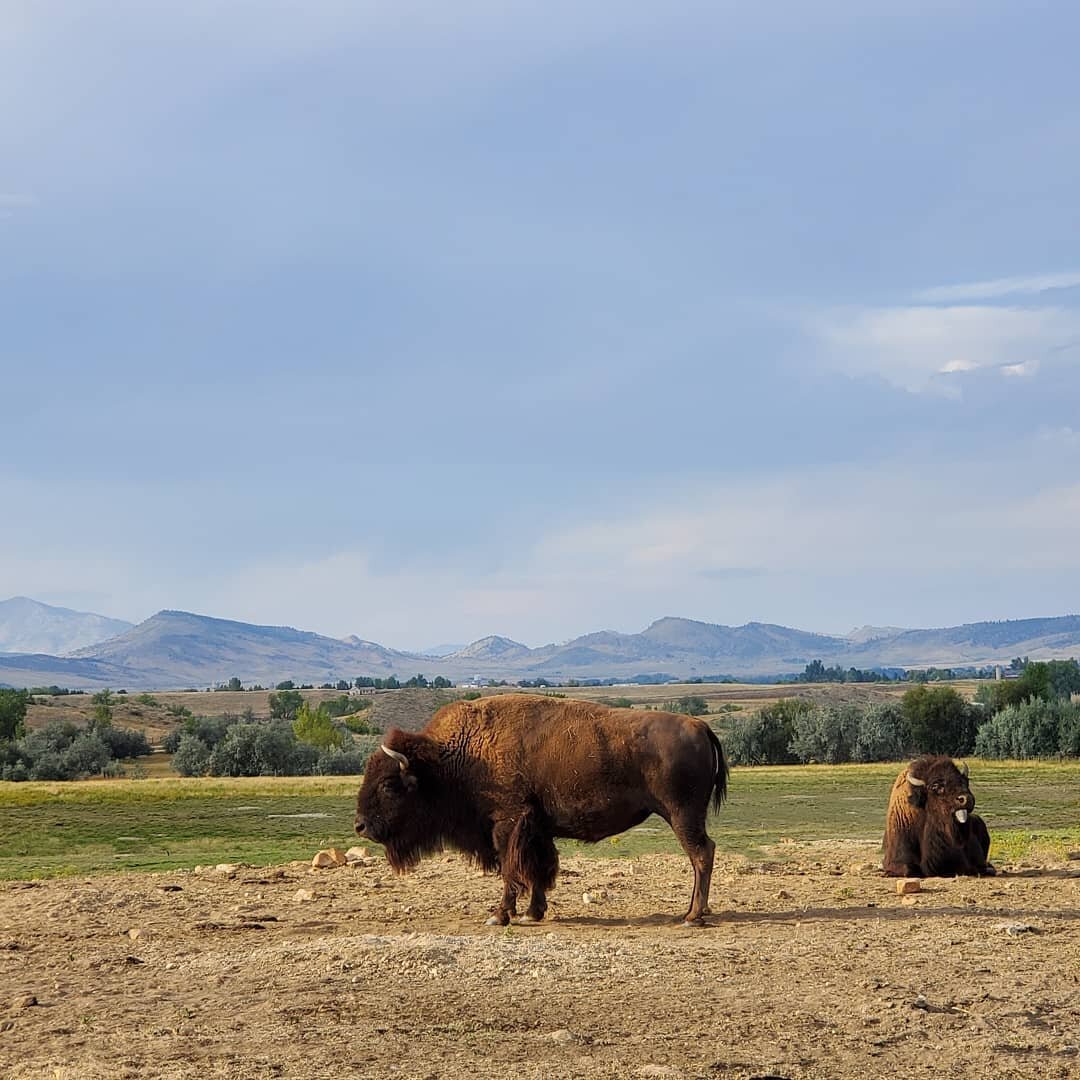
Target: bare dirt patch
[(811, 967)]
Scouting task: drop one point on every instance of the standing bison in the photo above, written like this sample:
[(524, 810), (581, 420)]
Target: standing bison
[(930, 827), (499, 778)]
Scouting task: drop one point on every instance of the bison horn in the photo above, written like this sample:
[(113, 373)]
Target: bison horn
[(964, 770), (914, 781), (400, 758)]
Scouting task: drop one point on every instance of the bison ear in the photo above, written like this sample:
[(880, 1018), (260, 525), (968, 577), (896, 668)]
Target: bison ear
[(917, 798)]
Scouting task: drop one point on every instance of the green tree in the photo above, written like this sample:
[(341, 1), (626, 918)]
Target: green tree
[(284, 706), (939, 720), (13, 706), (314, 726), (103, 713)]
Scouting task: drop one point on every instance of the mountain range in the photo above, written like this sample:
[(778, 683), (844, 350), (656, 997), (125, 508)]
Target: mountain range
[(28, 626), (174, 649)]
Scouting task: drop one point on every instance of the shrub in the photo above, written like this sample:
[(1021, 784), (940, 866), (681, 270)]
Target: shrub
[(125, 742), (87, 755), (1033, 728), (764, 737), (340, 762), (883, 734), (690, 705), (825, 733), (192, 755)]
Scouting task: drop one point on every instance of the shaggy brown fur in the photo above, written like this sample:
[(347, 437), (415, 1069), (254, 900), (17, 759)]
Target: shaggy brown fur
[(499, 778), (923, 837)]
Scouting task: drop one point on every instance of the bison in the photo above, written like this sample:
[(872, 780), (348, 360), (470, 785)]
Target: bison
[(930, 827), (501, 777)]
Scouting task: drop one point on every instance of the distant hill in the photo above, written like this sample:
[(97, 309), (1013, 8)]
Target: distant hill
[(176, 649), (28, 626)]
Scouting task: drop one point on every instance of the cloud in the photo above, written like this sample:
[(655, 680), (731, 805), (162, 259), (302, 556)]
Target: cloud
[(919, 347), (999, 287)]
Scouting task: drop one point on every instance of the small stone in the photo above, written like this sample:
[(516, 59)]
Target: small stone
[(1015, 928), (783, 894), (909, 901), (303, 895), (137, 935), (909, 885), (24, 1002), (328, 858), (657, 1070), (356, 854), (563, 1036)]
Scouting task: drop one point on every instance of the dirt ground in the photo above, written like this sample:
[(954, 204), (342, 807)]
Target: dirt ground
[(812, 966)]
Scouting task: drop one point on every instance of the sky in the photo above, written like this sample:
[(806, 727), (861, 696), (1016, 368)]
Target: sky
[(423, 322)]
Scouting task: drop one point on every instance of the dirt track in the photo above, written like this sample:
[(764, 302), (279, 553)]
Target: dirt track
[(811, 968)]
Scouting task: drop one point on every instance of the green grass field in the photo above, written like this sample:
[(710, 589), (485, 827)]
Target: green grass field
[(85, 827)]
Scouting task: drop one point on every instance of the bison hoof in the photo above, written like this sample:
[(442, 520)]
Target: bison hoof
[(498, 920), (699, 921), (988, 871), (527, 920)]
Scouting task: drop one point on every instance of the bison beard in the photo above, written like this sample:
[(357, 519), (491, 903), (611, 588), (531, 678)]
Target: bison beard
[(500, 778), (930, 827)]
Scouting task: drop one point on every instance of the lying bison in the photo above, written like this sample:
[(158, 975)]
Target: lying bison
[(499, 778), (930, 829)]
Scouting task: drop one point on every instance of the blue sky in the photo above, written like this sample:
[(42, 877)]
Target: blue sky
[(424, 321)]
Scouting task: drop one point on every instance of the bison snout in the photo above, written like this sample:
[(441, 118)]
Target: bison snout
[(360, 825)]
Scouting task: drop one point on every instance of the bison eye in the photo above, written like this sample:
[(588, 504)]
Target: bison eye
[(938, 789)]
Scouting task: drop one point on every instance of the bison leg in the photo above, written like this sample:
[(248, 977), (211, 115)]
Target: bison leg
[(507, 908), (528, 860), (691, 834)]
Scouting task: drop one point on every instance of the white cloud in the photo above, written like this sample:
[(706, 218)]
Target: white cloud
[(919, 347), (997, 288)]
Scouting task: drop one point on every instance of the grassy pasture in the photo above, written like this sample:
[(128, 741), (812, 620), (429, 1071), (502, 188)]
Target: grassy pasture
[(83, 827)]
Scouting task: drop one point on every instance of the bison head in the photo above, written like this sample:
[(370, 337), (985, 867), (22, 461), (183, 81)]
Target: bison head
[(394, 807), (940, 788)]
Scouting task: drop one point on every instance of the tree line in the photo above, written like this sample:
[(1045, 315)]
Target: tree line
[(1027, 717)]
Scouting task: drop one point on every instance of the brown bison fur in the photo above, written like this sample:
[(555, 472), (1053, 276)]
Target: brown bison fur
[(501, 777), (924, 833)]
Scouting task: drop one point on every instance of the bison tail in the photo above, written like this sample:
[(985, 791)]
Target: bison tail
[(531, 860), (721, 770)]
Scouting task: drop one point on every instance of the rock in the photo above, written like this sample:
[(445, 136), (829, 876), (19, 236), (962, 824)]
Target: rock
[(1015, 928), (909, 885), (303, 895), (24, 1001), (783, 894), (328, 859), (356, 854), (137, 935), (563, 1036)]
